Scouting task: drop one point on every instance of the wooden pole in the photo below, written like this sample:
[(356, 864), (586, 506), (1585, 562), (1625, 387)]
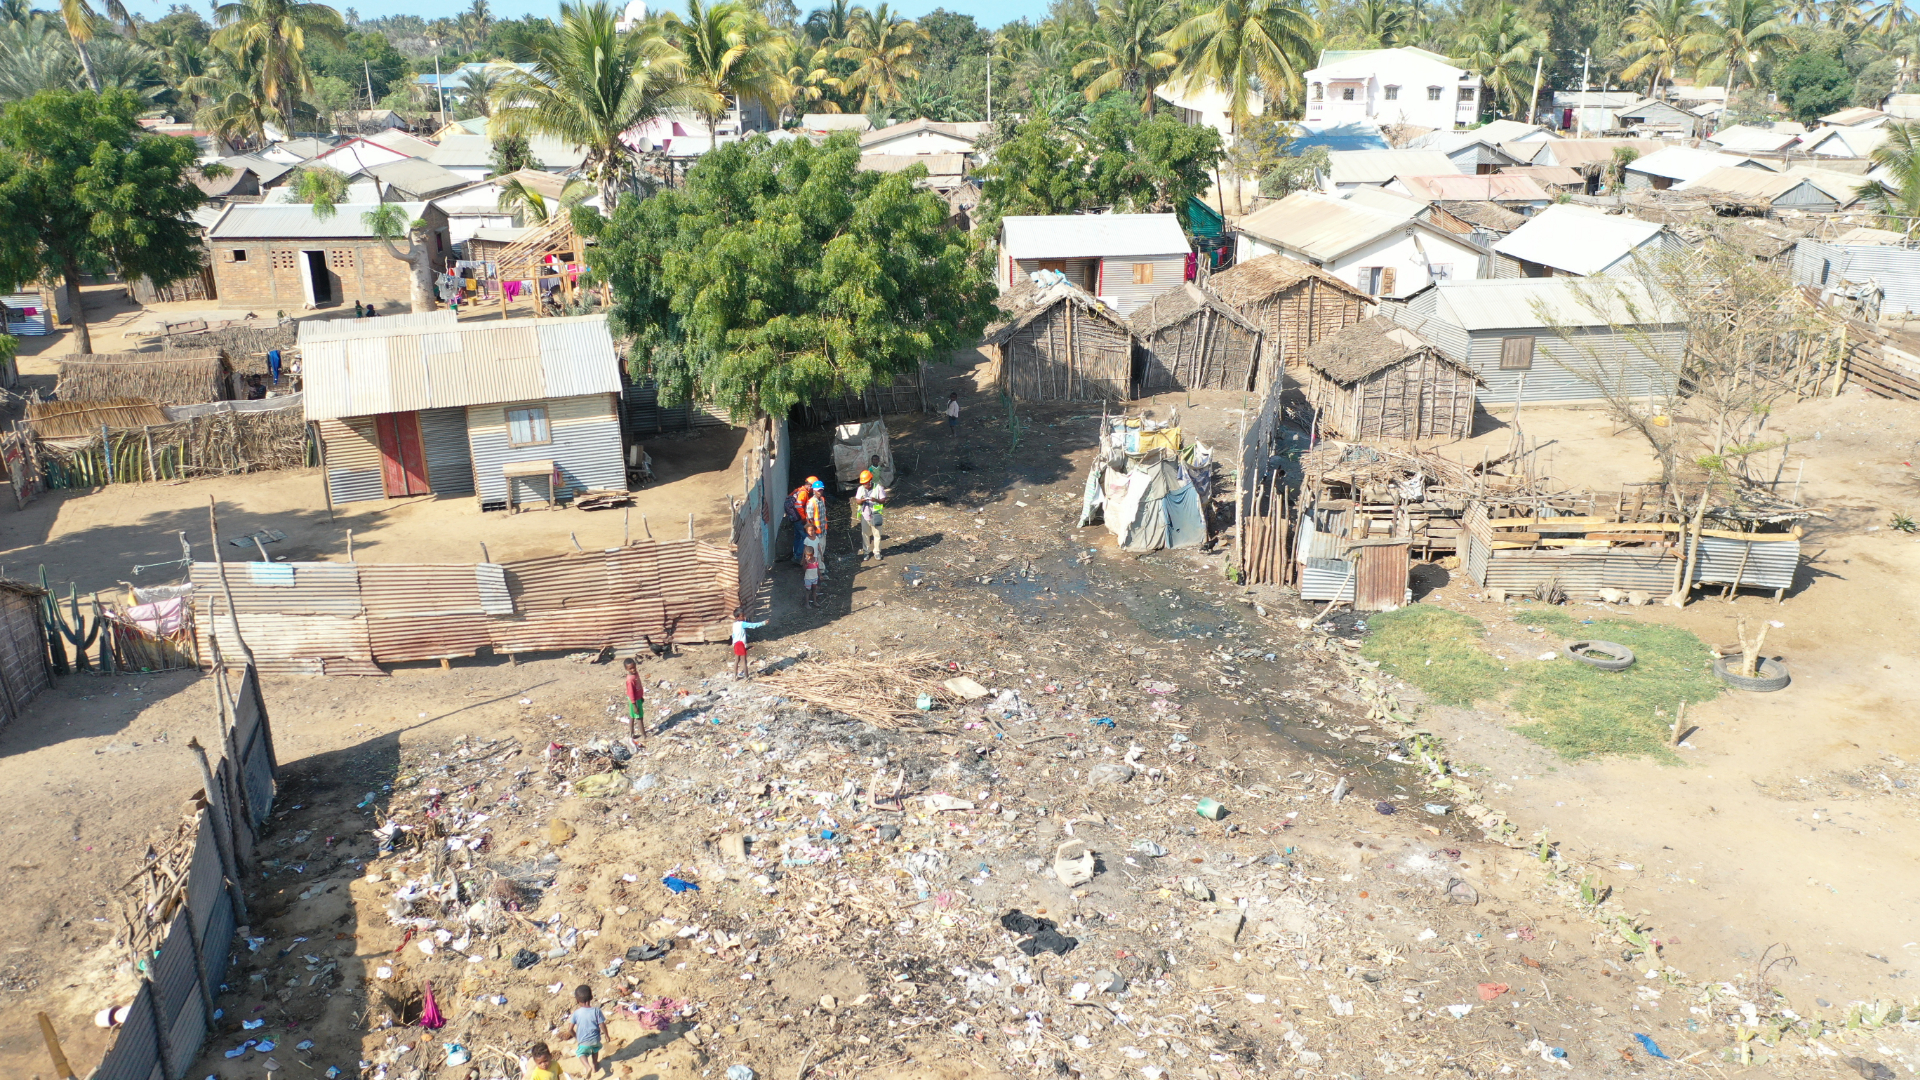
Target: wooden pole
[(61, 1070), (1679, 723), (226, 587), (350, 545), (326, 487)]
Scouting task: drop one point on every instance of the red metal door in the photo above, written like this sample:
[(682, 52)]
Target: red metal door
[(403, 456)]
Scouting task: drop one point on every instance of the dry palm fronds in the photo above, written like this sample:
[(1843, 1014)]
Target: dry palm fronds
[(166, 379), (883, 691)]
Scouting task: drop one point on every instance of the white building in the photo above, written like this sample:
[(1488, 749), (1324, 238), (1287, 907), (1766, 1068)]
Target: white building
[(1565, 240), (1205, 104), (1392, 86), (923, 137), (1382, 252)]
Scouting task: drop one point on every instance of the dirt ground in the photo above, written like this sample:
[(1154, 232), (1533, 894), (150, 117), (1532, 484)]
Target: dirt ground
[(879, 951), (1782, 827)]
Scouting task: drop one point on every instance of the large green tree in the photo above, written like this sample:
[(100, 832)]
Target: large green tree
[(781, 273), (84, 190), (1122, 160), (1127, 51), (1813, 84)]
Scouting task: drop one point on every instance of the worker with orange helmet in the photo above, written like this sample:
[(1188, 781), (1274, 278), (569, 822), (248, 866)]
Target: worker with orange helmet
[(870, 503)]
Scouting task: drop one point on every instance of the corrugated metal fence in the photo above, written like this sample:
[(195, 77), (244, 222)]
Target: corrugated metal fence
[(757, 517), (1896, 270), (171, 1015), (325, 618), (1768, 562), (642, 413)]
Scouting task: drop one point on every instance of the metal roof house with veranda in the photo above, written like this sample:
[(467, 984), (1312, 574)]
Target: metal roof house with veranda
[(417, 406)]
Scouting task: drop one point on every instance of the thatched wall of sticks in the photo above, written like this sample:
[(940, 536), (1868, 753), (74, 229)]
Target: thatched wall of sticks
[(1063, 344), (244, 346), (79, 419), (219, 444), (176, 379), (1191, 339)]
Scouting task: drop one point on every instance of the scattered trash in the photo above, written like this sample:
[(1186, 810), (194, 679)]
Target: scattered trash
[(1653, 1048), (602, 785), (1110, 772), (1385, 808), (1870, 1070), (1102, 722), (1073, 863), (1209, 809), (1489, 991), (457, 1054), (1339, 790), (525, 959), (679, 885), (1437, 808), (1148, 848), (739, 1072), (1045, 935), (965, 689), (947, 802), (1460, 892)]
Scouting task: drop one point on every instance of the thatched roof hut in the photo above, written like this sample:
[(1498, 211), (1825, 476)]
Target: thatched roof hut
[(1191, 339), (1293, 303), (1379, 380), (1061, 343), (84, 419), (167, 380)]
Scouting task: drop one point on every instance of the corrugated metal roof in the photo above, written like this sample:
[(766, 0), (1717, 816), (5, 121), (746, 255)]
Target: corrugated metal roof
[(1087, 236), (469, 151), (335, 329), (1683, 162), (1859, 114), (1576, 239), (1404, 207), (1771, 186), (1319, 226), (1746, 139), (1579, 152), (1857, 142), (1457, 187), (499, 235), (249, 221), (1519, 303), (415, 177), (1380, 166), (1500, 131), (432, 367)]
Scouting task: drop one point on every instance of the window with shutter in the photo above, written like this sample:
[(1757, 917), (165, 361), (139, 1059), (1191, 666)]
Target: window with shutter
[(1516, 353), (1386, 281), (1143, 273)]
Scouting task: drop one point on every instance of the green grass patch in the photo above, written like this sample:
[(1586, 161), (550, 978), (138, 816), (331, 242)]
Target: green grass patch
[(1575, 710)]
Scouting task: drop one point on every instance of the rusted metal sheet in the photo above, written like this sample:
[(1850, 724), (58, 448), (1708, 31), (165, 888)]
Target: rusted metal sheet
[(422, 612), (1380, 575), (290, 588), (635, 572), (559, 582)]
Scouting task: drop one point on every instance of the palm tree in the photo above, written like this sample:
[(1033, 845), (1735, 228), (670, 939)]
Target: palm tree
[(730, 52), (1246, 47), (1379, 23), (473, 25), (1127, 50), (1806, 12), (517, 198), (276, 32), (595, 84), (1888, 17), (882, 46), (1900, 156), (81, 25), (475, 88), (1662, 34), (34, 56), (828, 25), (1501, 48), (1744, 31)]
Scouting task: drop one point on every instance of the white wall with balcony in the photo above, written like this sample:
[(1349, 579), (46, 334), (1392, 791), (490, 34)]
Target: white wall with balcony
[(1392, 86)]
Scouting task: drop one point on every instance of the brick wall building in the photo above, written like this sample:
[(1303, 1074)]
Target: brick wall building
[(286, 258)]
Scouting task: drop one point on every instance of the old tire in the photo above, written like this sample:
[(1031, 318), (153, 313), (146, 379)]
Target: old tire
[(1773, 675), (1611, 656)]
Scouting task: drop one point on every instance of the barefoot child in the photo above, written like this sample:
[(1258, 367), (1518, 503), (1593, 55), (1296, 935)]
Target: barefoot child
[(811, 582), (636, 700), (587, 1023), (740, 628)]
